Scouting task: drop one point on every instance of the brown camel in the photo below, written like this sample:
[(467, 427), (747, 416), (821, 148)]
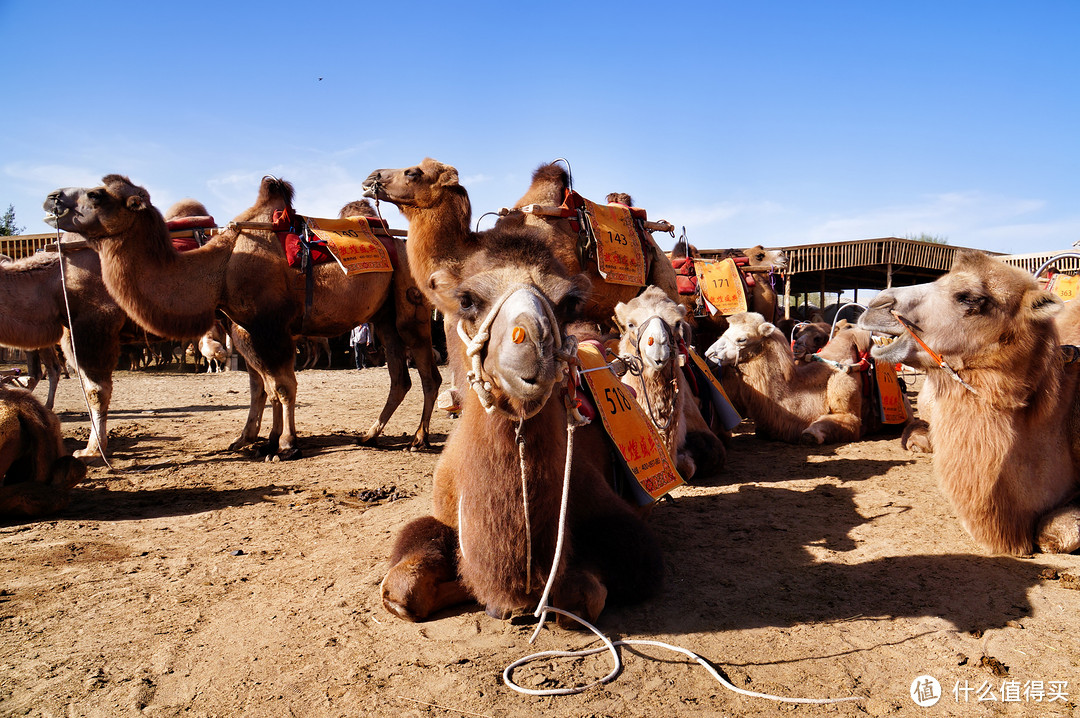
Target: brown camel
[(1007, 451), (481, 542), (654, 335), (815, 403), (243, 273), (35, 473), (33, 315)]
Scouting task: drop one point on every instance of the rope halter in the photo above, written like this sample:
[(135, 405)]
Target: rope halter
[(635, 364), (565, 352)]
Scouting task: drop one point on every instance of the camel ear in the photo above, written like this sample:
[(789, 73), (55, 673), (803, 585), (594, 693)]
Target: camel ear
[(620, 316), (1044, 305), (136, 203), (447, 176), (442, 282), (766, 329)]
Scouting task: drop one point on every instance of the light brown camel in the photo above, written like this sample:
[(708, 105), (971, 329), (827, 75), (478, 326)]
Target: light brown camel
[(244, 274), (654, 334), (33, 315), (812, 404), (1006, 455), (480, 543), (214, 347), (35, 473)]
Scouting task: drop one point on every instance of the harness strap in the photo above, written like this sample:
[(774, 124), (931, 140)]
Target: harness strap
[(938, 359)]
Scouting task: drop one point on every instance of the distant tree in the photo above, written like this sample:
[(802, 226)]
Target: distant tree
[(7, 223), (924, 237)]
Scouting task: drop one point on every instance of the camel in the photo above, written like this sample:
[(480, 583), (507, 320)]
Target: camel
[(812, 404), (34, 316), (243, 273), (440, 235), (1007, 450), (807, 339), (654, 336), (35, 473), (481, 542), (214, 347)]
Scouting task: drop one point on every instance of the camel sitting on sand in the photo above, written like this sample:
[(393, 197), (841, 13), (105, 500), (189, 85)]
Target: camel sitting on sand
[(812, 404), (35, 473), (1006, 429), (244, 274), (485, 540), (654, 334)]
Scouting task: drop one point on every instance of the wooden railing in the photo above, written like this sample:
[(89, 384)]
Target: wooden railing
[(23, 245)]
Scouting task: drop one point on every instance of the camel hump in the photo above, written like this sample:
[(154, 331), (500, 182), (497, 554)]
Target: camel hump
[(358, 208), (272, 189)]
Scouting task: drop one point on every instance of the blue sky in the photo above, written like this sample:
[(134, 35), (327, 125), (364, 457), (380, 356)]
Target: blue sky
[(779, 123)]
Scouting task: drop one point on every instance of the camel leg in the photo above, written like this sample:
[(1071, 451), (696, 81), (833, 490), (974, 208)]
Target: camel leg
[(843, 421), (423, 571), (52, 369), (400, 381), (415, 332), (257, 387), (282, 443), (451, 399)]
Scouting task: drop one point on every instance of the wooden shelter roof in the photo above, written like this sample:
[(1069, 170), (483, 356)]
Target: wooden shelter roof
[(876, 264)]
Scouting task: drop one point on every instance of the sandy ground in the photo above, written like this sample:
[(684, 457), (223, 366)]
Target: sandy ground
[(192, 580)]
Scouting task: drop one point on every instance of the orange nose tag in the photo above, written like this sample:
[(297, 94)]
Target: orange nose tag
[(651, 340), (518, 335)]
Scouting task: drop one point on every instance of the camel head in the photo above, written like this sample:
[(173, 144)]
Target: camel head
[(510, 301), (980, 310), (743, 339), (774, 258), (113, 210), (809, 338), (421, 186), (652, 327)]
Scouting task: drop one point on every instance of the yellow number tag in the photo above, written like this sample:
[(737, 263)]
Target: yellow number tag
[(892, 398), (352, 243), (619, 256), (728, 415), (721, 286), (1065, 286), (637, 440)]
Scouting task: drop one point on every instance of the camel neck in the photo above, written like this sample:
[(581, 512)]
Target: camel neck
[(170, 293)]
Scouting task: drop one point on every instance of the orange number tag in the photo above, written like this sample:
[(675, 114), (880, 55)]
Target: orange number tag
[(352, 243), (1065, 286), (619, 256), (892, 398), (637, 440), (721, 286)]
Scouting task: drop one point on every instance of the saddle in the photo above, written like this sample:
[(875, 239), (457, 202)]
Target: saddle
[(189, 233)]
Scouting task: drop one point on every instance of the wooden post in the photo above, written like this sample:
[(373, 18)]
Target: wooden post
[(787, 296)]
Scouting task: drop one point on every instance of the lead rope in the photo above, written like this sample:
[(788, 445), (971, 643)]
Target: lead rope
[(75, 354), (525, 503)]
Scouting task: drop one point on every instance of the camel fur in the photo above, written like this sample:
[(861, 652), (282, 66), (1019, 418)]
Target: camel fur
[(35, 473), (654, 334), (243, 273), (812, 404), (476, 543), (1007, 457)]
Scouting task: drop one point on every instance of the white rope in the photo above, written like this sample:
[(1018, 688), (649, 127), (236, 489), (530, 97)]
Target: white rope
[(75, 355)]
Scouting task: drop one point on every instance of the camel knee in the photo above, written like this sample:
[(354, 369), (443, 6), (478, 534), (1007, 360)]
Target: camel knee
[(916, 437), (1059, 531)]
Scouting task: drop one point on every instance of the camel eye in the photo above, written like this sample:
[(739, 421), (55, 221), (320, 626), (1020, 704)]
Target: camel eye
[(414, 173), (466, 300), (95, 196), (973, 302)]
